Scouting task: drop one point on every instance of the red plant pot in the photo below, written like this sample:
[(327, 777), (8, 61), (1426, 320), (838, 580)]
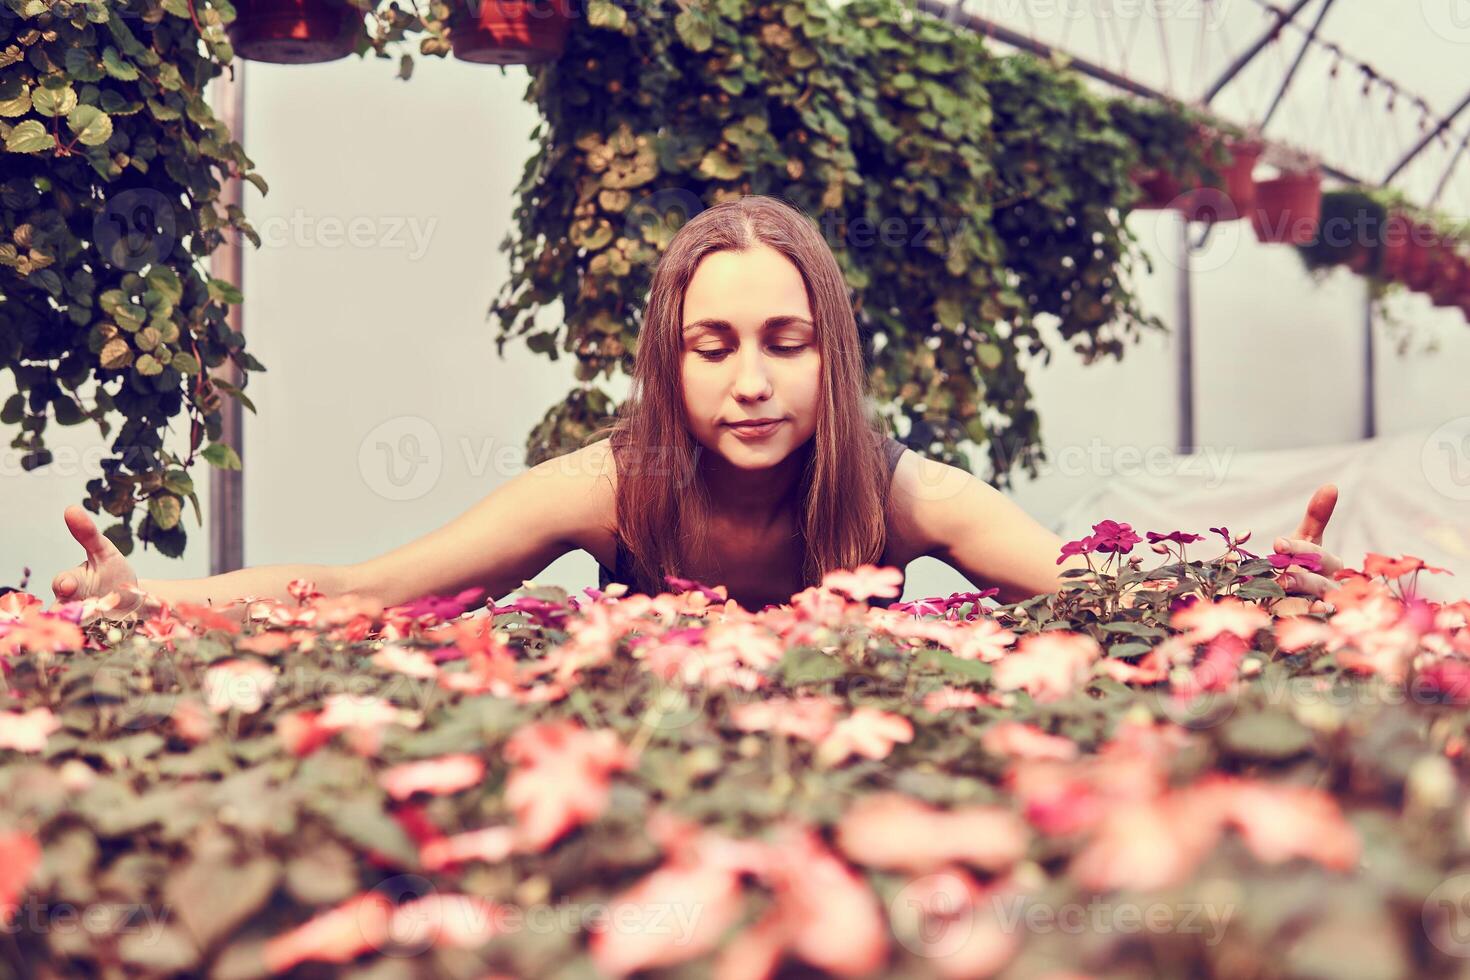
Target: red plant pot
[(294, 32), (1236, 197), (1288, 208), (509, 32), (1395, 247), (1160, 190), (1450, 278)]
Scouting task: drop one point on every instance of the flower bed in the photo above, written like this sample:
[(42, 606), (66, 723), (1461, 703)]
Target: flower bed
[(1152, 771)]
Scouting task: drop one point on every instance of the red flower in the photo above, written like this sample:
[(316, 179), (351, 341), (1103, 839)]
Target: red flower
[(456, 921), (1203, 621), (1017, 740), (1387, 567), (560, 780), (340, 935), (20, 855), (808, 718), (491, 845), (639, 934), (865, 582), (441, 777), (1446, 681), (1049, 666), (896, 833), (40, 632)]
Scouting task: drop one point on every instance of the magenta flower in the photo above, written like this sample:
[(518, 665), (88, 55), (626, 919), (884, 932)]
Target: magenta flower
[(1311, 562), (1110, 536), (1081, 547), (1178, 537), (1235, 543)]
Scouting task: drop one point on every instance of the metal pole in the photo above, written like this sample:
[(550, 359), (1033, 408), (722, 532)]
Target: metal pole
[(1444, 124), (1370, 382), (1300, 57), (1249, 54), (1445, 180), (1185, 332), (226, 487)]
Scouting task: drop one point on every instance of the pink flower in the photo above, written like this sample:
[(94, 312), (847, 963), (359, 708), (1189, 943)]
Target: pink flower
[(456, 921), (865, 582), (237, 685), (441, 777), (1392, 568), (867, 732), (983, 640), (302, 732), (951, 921), (1178, 537), (705, 900), (947, 699), (341, 711), (1285, 559), (491, 845), (1445, 682), (560, 780), (831, 916), (1281, 822), (340, 935), (192, 721), (1149, 844), (1203, 621), (1049, 666), (897, 833), (20, 855), (1017, 740), (27, 731), (39, 631), (1294, 633), (808, 718), (402, 660)]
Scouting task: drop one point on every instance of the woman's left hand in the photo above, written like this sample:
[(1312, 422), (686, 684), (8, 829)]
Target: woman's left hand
[(1307, 539)]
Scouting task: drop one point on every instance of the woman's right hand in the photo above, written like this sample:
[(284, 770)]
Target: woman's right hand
[(104, 571)]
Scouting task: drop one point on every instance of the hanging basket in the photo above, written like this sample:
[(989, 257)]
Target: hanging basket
[(1450, 277), (1288, 208), (294, 32), (1395, 247), (1160, 190), (1236, 196), (1416, 273), (509, 32)]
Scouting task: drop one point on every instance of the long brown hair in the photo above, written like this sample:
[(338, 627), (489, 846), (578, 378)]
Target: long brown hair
[(662, 504)]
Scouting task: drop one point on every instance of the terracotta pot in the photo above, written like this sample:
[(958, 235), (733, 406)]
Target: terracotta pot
[(294, 32), (509, 32), (1160, 190), (1288, 208), (1395, 247), (1236, 196), (1450, 277)]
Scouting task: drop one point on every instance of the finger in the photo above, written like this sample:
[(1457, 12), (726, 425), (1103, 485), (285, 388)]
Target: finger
[(84, 529), (64, 585), (1319, 512), (1300, 546), (1306, 583)]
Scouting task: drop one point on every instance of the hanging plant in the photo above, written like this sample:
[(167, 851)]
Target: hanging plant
[(295, 32), (509, 32), (1351, 233), (857, 115), (109, 209), (1289, 206), (1176, 152)]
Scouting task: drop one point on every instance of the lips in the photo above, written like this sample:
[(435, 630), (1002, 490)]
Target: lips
[(754, 430)]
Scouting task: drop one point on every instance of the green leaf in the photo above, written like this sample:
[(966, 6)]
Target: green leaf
[(1270, 735), (113, 62), (165, 510), (30, 136), (18, 104), (54, 101), (215, 895), (221, 456), (694, 31), (363, 822), (92, 126), (605, 14)]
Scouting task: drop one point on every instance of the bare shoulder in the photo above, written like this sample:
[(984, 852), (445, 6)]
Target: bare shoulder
[(583, 483), (925, 499)]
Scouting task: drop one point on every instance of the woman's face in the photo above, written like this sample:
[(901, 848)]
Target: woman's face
[(750, 352)]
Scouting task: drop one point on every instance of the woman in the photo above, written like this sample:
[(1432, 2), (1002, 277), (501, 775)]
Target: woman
[(746, 456)]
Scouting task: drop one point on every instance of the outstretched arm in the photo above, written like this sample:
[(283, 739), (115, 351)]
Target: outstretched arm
[(969, 525), (517, 530)]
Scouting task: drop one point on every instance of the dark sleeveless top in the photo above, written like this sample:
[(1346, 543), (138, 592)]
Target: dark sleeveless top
[(892, 449)]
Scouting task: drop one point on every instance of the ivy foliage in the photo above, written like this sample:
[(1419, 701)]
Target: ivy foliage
[(109, 203), (966, 196)]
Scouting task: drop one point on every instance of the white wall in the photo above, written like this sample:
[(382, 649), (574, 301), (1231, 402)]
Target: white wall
[(379, 351)]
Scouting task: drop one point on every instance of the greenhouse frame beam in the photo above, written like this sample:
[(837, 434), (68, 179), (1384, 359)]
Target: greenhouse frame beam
[(227, 487), (1444, 181), (1429, 137), (1005, 35), (1249, 54), (1301, 56)]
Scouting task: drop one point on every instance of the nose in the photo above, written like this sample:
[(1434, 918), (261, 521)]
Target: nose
[(753, 383)]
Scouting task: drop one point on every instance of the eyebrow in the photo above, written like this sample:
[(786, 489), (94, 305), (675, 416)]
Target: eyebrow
[(724, 326)]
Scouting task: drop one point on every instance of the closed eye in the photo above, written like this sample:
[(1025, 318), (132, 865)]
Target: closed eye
[(719, 354)]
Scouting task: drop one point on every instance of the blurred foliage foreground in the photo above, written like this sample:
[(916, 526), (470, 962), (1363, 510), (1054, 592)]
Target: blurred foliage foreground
[(1150, 772)]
